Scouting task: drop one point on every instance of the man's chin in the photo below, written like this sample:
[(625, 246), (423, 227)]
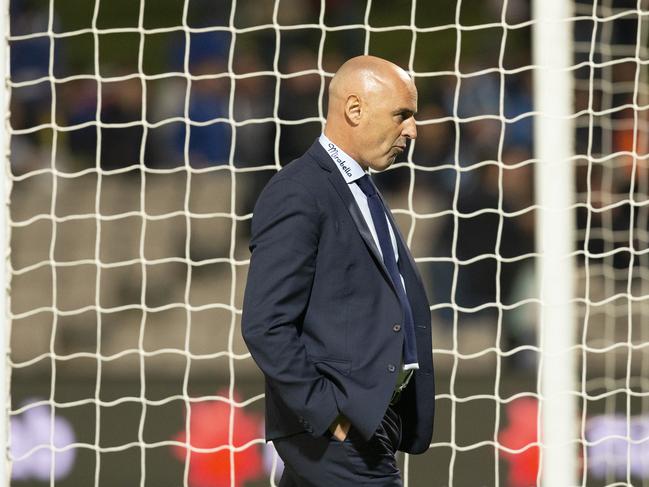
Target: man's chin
[(383, 164)]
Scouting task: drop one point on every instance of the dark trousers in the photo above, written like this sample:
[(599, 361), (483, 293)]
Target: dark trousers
[(328, 462)]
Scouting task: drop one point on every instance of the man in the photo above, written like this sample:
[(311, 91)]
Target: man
[(335, 313)]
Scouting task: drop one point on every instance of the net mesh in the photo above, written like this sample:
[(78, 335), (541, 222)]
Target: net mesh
[(140, 134)]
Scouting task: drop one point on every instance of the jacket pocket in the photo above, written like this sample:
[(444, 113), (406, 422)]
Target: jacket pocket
[(340, 365)]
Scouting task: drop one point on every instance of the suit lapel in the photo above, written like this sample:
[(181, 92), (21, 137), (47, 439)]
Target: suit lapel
[(350, 203), (340, 185)]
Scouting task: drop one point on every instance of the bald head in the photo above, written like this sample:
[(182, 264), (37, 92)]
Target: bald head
[(365, 75), (371, 110)]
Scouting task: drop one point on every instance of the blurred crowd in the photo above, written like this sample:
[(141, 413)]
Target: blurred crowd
[(472, 155)]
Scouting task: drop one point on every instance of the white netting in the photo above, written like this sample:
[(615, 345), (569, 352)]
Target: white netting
[(140, 135)]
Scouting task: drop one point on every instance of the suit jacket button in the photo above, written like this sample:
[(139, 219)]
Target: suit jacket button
[(391, 368), (396, 328)]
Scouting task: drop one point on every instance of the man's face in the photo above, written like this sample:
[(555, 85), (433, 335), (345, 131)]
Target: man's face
[(389, 123)]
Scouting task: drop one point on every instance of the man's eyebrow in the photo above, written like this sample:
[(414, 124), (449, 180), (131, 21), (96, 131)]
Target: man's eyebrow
[(405, 110)]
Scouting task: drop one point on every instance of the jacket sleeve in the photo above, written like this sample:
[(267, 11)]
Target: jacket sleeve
[(284, 243)]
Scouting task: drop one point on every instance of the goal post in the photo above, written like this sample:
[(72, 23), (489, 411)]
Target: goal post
[(555, 237)]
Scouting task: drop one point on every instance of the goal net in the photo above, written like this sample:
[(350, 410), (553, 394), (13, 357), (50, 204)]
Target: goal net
[(139, 135)]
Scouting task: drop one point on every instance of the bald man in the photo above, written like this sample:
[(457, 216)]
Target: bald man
[(335, 313)]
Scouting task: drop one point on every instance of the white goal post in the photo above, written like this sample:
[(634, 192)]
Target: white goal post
[(554, 133)]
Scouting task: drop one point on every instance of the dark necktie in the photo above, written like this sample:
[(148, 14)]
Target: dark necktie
[(378, 213)]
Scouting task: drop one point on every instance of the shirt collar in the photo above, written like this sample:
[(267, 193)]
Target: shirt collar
[(348, 167)]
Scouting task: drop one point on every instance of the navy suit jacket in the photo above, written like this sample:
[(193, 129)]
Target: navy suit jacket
[(319, 311)]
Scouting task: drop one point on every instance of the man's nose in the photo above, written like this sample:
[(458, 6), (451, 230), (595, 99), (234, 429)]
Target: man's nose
[(410, 129)]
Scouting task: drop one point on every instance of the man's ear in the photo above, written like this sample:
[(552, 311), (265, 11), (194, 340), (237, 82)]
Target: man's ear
[(353, 109)]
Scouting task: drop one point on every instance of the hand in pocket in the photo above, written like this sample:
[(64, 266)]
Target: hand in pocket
[(340, 428)]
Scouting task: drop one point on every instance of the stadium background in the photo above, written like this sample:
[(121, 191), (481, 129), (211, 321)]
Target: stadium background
[(154, 285)]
